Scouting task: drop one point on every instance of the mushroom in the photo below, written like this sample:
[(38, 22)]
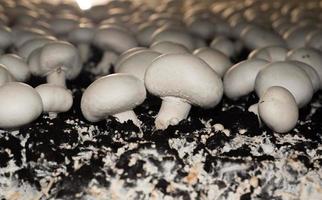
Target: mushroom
[(215, 59), (137, 63), (287, 75), (145, 32), (278, 109), (5, 75), (309, 56), (116, 95), (126, 54), (55, 99), (16, 66), (270, 53), (34, 62), (239, 80), (82, 37), (181, 80), (28, 47), (165, 47), (224, 45), (58, 61), (20, 104), (113, 40), (5, 38)]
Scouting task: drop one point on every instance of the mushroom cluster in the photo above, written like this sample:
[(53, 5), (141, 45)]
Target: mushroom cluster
[(188, 53)]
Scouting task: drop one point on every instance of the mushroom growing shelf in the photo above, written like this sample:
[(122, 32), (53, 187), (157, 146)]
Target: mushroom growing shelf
[(219, 153)]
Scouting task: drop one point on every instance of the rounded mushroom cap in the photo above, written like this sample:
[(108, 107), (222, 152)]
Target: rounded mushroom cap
[(115, 39), (176, 36), (16, 66), (287, 75), (110, 95), (203, 28), (83, 35), (278, 109), (60, 55), (5, 37), (126, 54), (5, 75), (270, 53), (28, 47), (239, 80), (137, 63), (295, 37), (184, 76), (311, 72), (224, 45), (62, 25), (20, 104), (215, 59), (309, 56), (34, 63), (24, 35), (55, 98), (166, 47), (145, 32)]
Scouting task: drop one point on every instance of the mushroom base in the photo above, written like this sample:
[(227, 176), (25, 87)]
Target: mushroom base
[(126, 116), (172, 111), (57, 77)]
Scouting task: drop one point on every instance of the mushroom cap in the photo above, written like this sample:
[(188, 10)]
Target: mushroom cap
[(145, 32), (20, 36), (83, 35), (60, 54), (5, 75), (165, 47), (203, 28), (55, 98), (239, 80), (270, 53), (309, 56), (137, 63), (62, 25), (295, 37), (176, 36), (217, 60), (287, 75), (115, 39), (20, 104), (16, 66), (110, 95), (278, 109), (5, 37), (28, 47), (34, 63), (126, 54), (184, 76), (223, 45), (314, 40)]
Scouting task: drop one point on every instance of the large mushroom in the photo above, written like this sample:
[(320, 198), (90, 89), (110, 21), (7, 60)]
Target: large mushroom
[(113, 95), (20, 104), (182, 80)]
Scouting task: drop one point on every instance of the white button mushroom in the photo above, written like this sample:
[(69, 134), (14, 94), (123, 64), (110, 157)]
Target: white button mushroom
[(55, 99), (34, 62), (145, 32), (215, 59), (165, 47), (20, 104), (115, 95), (126, 54), (5, 75), (309, 56), (224, 45), (5, 38), (58, 61), (239, 80), (295, 37), (137, 63), (270, 53), (181, 80), (287, 75), (278, 109), (16, 66), (28, 47)]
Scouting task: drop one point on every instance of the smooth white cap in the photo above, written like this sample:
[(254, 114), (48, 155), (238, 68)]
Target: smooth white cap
[(28, 47), (270, 53), (20, 104), (165, 47), (111, 95), (278, 109), (5, 75), (16, 66), (125, 54)]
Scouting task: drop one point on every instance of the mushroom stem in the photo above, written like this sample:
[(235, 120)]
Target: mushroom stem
[(104, 66), (127, 115), (57, 77), (84, 51), (172, 111)]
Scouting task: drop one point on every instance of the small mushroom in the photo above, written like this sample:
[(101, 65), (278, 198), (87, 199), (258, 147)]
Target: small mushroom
[(16, 66), (287, 75), (137, 63), (55, 99), (278, 109), (116, 95), (239, 80), (270, 53), (165, 47), (5, 75), (126, 54), (215, 59), (20, 104), (181, 80), (58, 61), (5, 38), (224, 45), (28, 47)]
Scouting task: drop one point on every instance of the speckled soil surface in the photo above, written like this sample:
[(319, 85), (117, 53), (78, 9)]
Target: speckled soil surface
[(220, 153)]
